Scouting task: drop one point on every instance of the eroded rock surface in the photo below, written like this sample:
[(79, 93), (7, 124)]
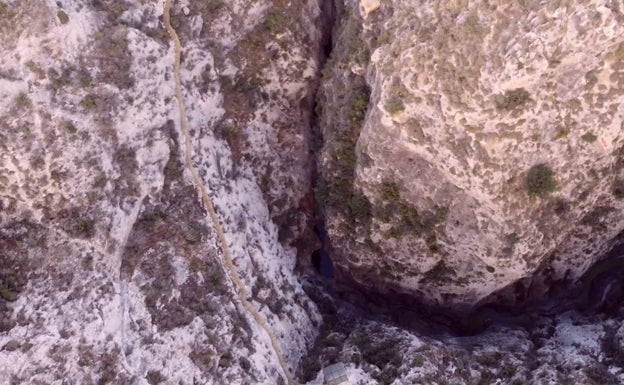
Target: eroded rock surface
[(468, 146)]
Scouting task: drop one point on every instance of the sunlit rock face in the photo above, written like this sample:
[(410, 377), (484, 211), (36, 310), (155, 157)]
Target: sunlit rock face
[(468, 146)]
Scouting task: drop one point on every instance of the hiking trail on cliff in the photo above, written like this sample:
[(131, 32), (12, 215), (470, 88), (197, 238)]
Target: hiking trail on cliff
[(203, 191)]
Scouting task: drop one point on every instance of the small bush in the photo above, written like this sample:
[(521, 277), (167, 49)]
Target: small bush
[(9, 285), (378, 349), (396, 94), (88, 102), (77, 223), (225, 360), (22, 100), (359, 205), (63, 17), (59, 80), (70, 127), (562, 132), (540, 181), (346, 157), (359, 108), (154, 377), (589, 137), (390, 192), (513, 99), (235, 139)]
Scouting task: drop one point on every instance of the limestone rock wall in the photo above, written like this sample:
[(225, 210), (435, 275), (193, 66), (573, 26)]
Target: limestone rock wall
[(487, 145)]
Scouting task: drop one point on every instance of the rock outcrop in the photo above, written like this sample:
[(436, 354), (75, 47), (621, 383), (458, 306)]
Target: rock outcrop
[(473, 146)]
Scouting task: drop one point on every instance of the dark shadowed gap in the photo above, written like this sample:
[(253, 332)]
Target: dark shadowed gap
[(321, 259), (322, 263)]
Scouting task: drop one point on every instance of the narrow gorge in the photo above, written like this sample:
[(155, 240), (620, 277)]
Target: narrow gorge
[(247, 192)]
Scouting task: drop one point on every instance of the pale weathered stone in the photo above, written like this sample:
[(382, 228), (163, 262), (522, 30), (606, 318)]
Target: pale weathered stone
[(368, 6), (466, 99)]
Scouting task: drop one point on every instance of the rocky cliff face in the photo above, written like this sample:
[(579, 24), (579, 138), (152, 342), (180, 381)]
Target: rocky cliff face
[(473, 145), (111, 271), (458, 153)]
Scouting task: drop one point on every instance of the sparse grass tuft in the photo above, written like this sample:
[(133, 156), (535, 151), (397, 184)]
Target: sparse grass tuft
[(540, 181)]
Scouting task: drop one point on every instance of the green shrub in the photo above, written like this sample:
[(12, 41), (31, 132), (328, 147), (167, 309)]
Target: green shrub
[(346, 158), (275, 21), (359, 205), (589, 137), (390, 192), (540, 181), (88, 102), (70, 127), (22, 100), (378, 349), (63, 17), (359, 108), (562, 132)]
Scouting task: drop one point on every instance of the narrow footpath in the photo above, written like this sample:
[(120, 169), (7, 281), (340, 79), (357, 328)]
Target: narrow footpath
[(227, 257)]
